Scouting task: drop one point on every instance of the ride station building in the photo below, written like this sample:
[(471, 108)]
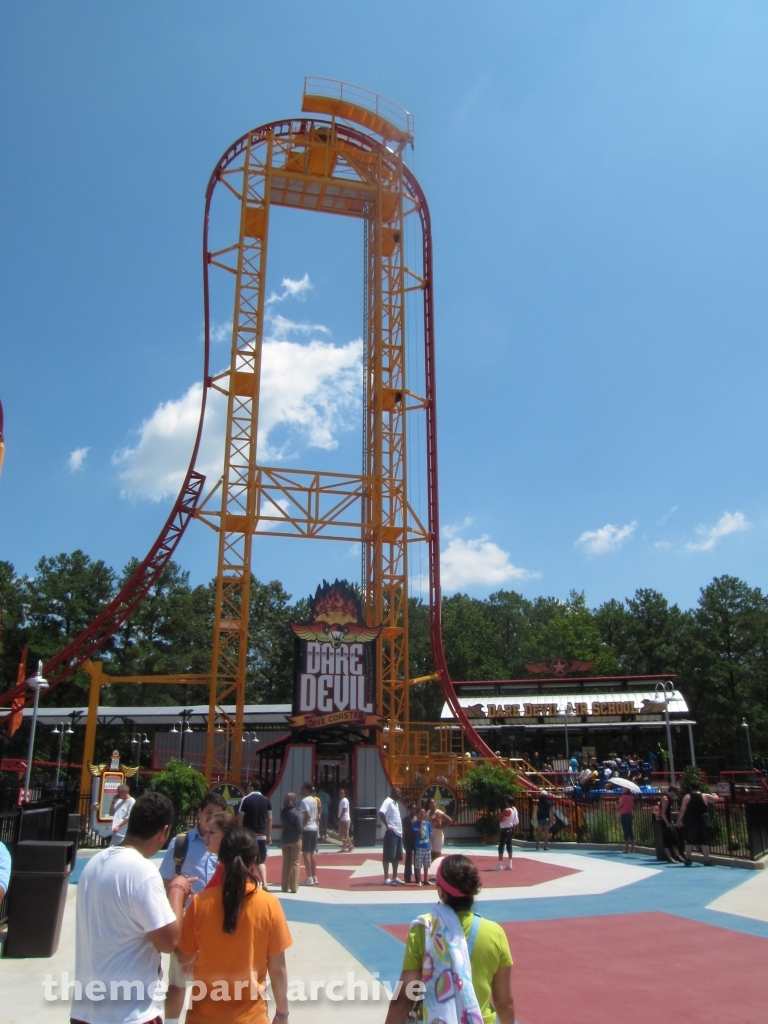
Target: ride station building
[(555, 713)]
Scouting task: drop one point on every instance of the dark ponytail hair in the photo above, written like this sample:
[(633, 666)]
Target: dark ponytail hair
[(239, 850), (460, 873)]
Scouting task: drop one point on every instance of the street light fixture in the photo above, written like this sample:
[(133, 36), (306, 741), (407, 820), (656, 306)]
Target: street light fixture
[(36, 683), (666, 691), (185, 729), (61, 732), (745, 725), (139, 740)]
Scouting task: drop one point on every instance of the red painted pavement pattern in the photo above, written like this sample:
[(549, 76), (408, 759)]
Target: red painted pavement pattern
[(526, 871), (634, 969)]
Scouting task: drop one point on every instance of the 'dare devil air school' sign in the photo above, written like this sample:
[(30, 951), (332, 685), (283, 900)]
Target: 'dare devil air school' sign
[(335, 664)]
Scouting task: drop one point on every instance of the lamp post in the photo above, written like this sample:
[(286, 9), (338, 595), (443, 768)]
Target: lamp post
[(666, 690), (251, 739), (59, 730), (185, 729), (139, 740), (36, 683), (568, 711), (74, 715), (745, 725)]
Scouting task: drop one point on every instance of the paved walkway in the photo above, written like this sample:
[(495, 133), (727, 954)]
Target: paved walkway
[(596, 938)]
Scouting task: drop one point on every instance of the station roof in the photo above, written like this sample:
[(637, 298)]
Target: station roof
[(534, 682), (255, 714)]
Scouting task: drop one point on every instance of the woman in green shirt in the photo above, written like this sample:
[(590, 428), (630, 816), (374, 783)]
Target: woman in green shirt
[(490, 958)]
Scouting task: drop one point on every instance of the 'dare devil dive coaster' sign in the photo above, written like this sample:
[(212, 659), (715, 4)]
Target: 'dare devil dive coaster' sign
[(334, 663)]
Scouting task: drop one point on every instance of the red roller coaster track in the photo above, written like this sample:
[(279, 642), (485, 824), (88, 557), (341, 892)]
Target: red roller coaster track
[(94, 636)]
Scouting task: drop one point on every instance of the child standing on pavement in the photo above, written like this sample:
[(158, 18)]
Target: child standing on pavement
[(422, 850)]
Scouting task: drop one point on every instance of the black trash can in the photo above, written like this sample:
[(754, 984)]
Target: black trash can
[(37, 895), (364, 825), (73, 836)]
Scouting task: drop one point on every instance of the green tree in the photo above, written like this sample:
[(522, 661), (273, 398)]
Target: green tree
[(488, 787), (184, 786), (570, 631), (426, 699), (66, 593), (168, 633), (648, 635), (511, 615), (473, 647), (270, 643), (723, 674), (13, 634)]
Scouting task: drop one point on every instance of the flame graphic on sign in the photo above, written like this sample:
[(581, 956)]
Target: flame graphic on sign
[(336, 603)]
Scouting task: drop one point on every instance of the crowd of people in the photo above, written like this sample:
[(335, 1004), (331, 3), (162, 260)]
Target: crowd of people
[(589, 772), (210, 908)]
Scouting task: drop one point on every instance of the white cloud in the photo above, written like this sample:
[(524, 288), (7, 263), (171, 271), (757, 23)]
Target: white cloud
[(292, 290), (310, 390), (221, 332), (663, 545), (76, 459), (607, 538), (280, 327), (454, 529), (725, 525), (465, 562), (670, 513)]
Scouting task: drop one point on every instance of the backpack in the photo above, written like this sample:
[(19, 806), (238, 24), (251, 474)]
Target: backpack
[(180, 847)]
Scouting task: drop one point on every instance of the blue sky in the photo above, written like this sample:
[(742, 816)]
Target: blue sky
[(596, 175)]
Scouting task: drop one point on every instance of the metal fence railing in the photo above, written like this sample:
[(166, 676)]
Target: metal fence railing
[(739, 827)]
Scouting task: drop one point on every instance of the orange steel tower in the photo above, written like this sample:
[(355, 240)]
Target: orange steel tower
[(331, 167), (344, 156)]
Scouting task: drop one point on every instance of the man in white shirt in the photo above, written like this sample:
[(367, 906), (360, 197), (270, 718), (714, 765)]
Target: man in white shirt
[(392, 852), (309, 816), (125, 921), (121, 811), (342, 821)]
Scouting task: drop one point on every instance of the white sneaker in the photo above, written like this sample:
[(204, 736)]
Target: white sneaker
[(308, 881), (315, 881), (397, 881), (388, 882), (499, 866), (508, 867)]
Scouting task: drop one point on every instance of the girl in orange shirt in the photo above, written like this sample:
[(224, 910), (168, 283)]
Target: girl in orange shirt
[(236, 934)]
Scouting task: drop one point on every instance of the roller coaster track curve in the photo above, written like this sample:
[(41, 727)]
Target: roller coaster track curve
[(106, 624)]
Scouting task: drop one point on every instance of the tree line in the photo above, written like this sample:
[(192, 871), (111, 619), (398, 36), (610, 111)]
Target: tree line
[(718, 650)]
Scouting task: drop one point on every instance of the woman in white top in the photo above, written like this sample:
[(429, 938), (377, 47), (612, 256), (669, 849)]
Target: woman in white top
[(342, 821), (438, 819), (509, 819)]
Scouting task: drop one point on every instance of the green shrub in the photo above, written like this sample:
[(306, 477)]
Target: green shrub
[(489, 786), (184, 786), (690, 775)]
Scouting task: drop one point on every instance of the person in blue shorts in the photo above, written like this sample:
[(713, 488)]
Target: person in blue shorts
[(422, 847)]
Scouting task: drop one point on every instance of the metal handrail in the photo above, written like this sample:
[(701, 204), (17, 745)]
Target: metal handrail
[(334, 89)]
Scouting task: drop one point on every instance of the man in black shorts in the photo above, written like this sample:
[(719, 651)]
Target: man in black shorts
[(309, 816), (256, 814)]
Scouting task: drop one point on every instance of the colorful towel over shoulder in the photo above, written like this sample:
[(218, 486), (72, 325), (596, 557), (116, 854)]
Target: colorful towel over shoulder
[(449, 997)]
